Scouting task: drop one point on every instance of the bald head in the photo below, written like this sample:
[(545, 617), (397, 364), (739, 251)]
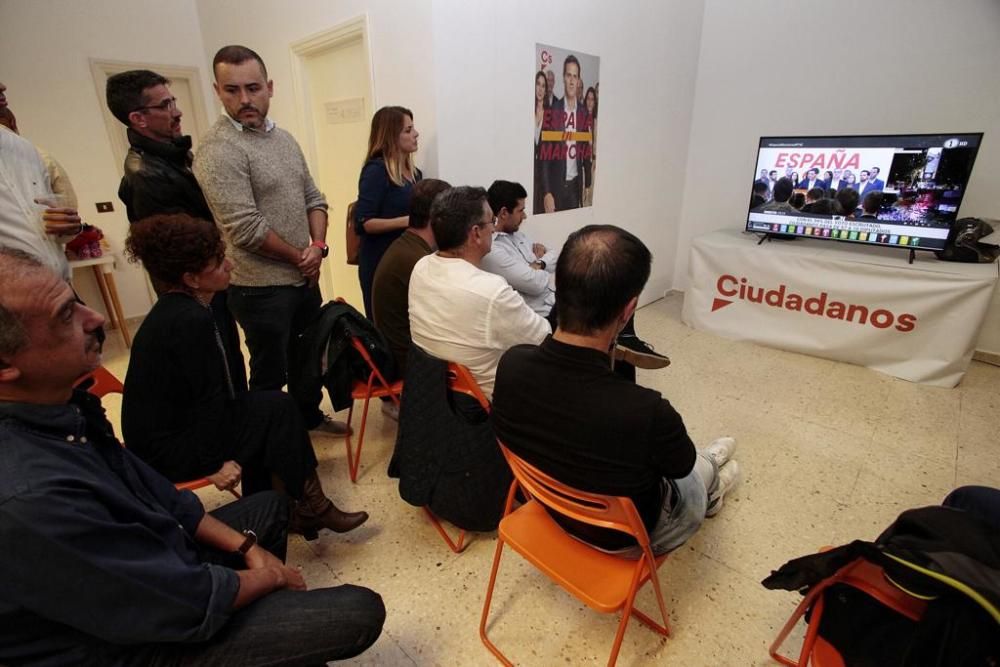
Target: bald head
[(601, 269)]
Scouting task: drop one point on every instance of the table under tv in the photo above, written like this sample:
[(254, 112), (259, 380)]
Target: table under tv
[(847, 302)]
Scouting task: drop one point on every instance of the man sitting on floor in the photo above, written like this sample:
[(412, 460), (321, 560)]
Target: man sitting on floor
[(561, 407), (458, 312), (529, 267), (104, 561)]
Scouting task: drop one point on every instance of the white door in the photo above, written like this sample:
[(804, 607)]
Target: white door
[(336, 89)]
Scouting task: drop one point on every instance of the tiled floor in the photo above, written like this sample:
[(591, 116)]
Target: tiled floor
[(830, 452)]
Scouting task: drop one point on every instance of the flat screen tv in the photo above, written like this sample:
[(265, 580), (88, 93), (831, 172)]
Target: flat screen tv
[(908, 187)]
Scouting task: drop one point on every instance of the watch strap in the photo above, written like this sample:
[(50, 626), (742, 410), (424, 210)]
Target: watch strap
[(248, 542)]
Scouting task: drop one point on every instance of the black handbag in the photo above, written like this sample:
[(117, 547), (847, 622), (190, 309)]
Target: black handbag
[(963, 244)]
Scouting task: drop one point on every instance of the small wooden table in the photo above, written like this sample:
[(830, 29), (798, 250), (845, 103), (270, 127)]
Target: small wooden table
[(103, 268)]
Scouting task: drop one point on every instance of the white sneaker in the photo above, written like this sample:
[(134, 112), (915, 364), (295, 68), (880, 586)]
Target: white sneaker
[(721, 450), (390, 410), (730, 477)]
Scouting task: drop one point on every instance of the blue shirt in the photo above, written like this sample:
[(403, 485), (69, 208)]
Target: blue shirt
[(379, 197), (98, 548)]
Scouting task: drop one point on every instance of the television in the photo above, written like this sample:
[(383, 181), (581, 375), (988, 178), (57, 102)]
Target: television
[(909, 187)]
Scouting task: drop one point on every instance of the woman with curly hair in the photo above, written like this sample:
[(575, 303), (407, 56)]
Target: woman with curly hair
[(186, 409)]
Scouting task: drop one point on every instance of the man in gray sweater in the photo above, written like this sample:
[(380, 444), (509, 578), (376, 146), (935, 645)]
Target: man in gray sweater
[(273, 217)]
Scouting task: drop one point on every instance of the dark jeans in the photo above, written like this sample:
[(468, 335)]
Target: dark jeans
[(272, 319), (285, 627)]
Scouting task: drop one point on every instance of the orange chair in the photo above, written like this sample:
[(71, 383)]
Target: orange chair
[(459, 380), (100, 382), (375, 387), (604, 582), (866, 577)]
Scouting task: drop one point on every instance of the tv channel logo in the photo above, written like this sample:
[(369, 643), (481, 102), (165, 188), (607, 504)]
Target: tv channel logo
[(893, 239)]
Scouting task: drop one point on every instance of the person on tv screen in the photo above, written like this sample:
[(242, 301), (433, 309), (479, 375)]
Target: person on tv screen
[(782, 191), (797, 200), (871, 205), (813, 195), (848, 200), (876, 182), (812, 180), (759, 195)]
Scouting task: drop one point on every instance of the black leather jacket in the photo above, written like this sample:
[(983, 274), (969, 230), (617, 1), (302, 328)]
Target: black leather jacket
[(158, 179)]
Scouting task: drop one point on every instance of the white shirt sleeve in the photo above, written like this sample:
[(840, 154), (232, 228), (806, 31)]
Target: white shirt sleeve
[(510, 322)]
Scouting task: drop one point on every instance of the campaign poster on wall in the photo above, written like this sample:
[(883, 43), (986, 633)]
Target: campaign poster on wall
[(567, 92)]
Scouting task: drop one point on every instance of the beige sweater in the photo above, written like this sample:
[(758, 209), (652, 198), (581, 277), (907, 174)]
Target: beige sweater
[(257, 182)]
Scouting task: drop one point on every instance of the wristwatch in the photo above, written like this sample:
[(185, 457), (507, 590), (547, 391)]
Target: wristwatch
[(322, 246), (541, 262), (251, 539)]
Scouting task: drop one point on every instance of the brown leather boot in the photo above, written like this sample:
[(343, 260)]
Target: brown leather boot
[(315, 511)]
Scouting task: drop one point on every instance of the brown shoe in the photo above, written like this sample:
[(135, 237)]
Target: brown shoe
[(303, 522), (315, 511)]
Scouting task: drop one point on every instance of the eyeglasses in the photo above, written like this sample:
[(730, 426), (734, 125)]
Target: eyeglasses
[(491, 222), (169, 104)]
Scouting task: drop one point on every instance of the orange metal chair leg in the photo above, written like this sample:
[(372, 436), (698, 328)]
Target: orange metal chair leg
[(456, 546), (486, 606)]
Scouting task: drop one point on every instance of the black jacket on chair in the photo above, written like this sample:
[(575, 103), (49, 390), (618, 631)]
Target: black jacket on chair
[(946, 555), (446, 455), (324, 356)]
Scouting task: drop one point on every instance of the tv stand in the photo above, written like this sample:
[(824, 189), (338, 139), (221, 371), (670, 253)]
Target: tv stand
[(850, 302), (913, 255), (770, 236)]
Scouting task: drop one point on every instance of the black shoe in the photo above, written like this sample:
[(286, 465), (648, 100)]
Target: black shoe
[(635, 351)]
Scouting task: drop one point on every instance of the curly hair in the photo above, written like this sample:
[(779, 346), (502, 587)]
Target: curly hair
[(171, 245)]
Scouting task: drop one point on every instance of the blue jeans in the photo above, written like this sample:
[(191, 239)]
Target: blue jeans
[(683, 510), (272, 318)]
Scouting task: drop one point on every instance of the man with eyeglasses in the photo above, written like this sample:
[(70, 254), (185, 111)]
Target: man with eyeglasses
[(158, 176), (459, 312)]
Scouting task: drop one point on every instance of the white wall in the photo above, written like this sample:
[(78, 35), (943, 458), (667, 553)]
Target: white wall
[(400, 43), (45, 54), (484, 67), (790, 67)]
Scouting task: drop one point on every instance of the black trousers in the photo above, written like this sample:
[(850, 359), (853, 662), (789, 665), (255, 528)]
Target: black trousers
[(272, 319), (283, 628), (267, 436)]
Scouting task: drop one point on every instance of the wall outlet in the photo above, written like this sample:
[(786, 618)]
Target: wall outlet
[(105, 207)]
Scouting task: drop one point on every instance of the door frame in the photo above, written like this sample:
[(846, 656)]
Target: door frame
[(344, 32)]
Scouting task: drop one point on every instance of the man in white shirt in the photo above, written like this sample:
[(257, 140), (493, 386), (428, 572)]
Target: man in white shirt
[(41, 230), (530, 269), (458, 312)]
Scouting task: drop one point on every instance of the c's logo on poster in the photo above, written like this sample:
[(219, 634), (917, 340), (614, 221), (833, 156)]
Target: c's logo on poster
[(821, 305), (546, 57)]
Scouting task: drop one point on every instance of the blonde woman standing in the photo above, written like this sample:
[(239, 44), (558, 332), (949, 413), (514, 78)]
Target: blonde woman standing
[(384, 190)]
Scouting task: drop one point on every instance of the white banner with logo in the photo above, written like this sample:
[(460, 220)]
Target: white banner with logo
[(862, 305)]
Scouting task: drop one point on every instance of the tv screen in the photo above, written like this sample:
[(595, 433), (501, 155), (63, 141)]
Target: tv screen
[(890, 190)]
